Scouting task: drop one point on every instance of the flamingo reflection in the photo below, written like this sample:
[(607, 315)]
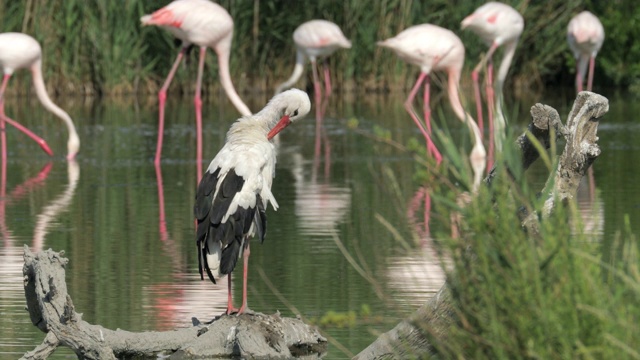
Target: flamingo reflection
[(56, 206), (184, 296), (416, 276), (17, 193), (423, 194), (11, 266), (591, 210), (11, 278)]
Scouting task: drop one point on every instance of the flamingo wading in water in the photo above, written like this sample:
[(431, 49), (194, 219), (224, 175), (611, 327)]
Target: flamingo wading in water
[(236, 188), (585, 35), (19, 51), (433, 48), (205, 24), (497, 24), (315, 39)]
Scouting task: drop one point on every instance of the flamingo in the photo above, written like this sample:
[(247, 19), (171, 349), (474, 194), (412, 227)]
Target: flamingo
[(315, 39), (497, 24), (19, 51), (205, 24), (236, 188), (434, 48), (585, 35)]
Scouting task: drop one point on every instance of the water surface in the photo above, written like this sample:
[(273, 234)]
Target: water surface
[(127, 227)]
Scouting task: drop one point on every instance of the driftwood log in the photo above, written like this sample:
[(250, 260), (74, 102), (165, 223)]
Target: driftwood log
[(246, 336), (407, 339)]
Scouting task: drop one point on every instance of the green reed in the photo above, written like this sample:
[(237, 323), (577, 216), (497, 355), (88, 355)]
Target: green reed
[(98, 46)]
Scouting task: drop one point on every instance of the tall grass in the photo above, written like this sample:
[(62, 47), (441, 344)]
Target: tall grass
[(521, 295), (98, 46)]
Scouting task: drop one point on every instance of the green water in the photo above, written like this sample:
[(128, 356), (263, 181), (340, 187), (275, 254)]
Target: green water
[(129, 269)]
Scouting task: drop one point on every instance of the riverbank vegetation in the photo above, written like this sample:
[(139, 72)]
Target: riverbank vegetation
[(553, 295), (528, 274), (98, 47)]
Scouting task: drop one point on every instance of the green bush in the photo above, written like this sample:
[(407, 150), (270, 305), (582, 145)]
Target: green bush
[(545, 295)]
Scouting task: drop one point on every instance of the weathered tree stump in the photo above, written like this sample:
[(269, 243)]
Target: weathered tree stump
[(407, 339), (247, 336)]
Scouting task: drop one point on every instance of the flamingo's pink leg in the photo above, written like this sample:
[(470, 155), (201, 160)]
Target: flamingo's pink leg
[(316, 84), (579, 76), (327, 80), (592, 64), (490, 109), (409, 107), (162, 97), (476, 92), (162, 219), (476, 86), (4, 118), (198, 104)]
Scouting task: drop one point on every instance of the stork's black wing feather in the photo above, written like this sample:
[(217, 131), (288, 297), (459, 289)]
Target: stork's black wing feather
[(210, 211), (231, 184), (204, 195), (260, 219), (201, 209)]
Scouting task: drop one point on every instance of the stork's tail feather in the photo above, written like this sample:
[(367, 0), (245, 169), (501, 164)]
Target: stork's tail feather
[(230, 257), (203, 256), (200, 262)]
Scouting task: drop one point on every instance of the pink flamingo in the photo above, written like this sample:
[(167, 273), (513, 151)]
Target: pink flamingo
[(206, 24), (497, 24), (585, 35), (315, 39), (434, 48), (18, 51), (236, 188)]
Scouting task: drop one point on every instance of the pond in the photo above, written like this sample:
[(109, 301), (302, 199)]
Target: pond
[(335, 251)]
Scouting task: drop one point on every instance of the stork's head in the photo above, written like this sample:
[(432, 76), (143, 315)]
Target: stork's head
[(291, 105)]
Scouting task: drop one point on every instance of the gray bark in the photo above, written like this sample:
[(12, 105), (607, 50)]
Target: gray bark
[(409, 338), (248, 335)]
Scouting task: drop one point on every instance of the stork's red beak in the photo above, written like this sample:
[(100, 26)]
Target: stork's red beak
[(283, 123)]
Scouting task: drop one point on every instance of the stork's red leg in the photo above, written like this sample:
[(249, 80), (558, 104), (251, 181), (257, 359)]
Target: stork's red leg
[(230, 308), (245, 272)]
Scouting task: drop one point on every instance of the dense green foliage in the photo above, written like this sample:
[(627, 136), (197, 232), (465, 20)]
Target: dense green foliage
[(95, 46), (545, 295)]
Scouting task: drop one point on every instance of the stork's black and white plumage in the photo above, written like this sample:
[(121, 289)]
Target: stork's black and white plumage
[(236, 188)]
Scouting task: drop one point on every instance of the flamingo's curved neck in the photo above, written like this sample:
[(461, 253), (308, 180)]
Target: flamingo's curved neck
[(41, 92), (297, 72), (456, 104), (223, 50), (509, 52)]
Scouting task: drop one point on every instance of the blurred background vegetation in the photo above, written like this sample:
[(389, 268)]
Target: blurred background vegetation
[(98, 46)]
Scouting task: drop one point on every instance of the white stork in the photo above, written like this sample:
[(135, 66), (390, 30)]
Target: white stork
[(236, 188)]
